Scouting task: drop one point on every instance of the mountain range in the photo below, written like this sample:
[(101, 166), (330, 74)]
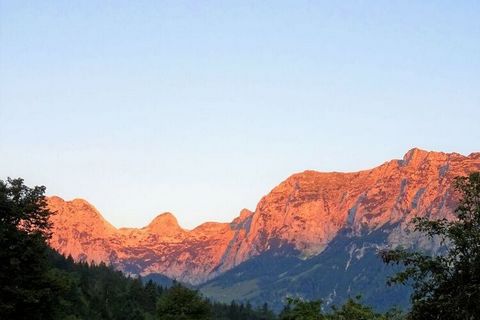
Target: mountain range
[(315, 235)]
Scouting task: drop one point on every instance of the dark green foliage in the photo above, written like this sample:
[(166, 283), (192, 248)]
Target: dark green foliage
[(26, 285), (241, 311), (300, 309), (353, 309), (23, 209), (446, 286), (99, 292), (181, 303)]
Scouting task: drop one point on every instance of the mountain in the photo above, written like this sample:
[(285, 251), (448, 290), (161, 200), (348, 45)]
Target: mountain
[(307, 226), (161, 247)]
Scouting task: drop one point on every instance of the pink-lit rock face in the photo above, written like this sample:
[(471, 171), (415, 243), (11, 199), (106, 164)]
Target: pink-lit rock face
[(161, 247), (80, 230), (303, 213)]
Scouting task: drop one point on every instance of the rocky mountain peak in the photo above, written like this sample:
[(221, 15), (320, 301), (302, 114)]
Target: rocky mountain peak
[(164, 222), (416, 156), (78, 211)]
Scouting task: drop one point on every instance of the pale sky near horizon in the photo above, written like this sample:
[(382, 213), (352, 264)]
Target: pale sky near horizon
[(202, 107)]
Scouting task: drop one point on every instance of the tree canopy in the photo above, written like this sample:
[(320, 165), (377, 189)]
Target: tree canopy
[(352, 309), (25, 280), (181, 303)]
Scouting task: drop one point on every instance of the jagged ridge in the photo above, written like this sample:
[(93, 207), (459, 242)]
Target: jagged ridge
[(303, 213)]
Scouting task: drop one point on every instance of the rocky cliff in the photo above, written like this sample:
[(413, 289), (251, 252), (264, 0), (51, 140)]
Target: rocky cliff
[(299, 216)]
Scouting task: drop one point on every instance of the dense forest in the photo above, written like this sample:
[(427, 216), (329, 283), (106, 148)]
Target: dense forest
[(38, 283)]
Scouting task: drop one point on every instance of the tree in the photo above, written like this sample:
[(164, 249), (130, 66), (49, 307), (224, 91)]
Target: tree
[(446, 286), (24, 274), (24, 209), (353, 309), (297, 309), (181, 303), (265, 313)]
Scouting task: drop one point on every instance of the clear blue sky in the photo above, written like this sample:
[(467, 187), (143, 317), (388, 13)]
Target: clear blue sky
[(202, 107)]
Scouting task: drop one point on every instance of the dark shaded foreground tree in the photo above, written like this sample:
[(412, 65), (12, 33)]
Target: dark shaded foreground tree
[(301, 309), (352, 309), (26, 283), (446, 286), (181, 303)]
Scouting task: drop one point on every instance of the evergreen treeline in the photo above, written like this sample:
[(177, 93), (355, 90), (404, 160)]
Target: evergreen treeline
[(89, 291)]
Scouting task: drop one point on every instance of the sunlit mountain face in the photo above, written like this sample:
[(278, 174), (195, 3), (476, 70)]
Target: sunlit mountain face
[(315, 234)]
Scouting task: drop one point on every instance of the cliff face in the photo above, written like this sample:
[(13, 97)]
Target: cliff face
[(302, 214), (161, 247)]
